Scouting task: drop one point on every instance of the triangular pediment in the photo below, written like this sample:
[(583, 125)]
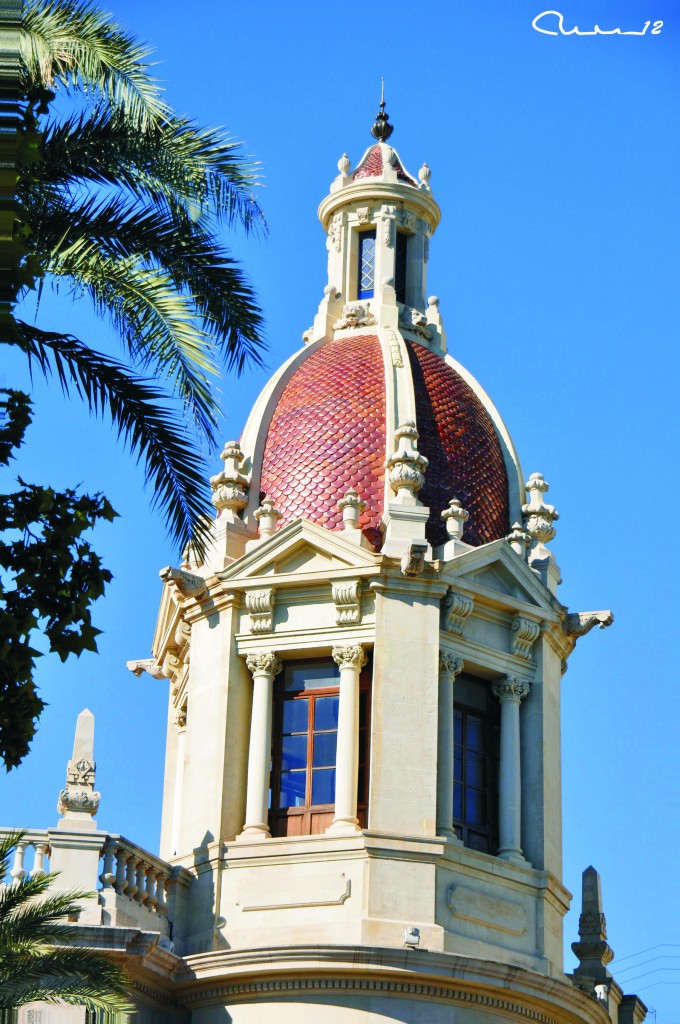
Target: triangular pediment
[(497, 569), (300, 548)]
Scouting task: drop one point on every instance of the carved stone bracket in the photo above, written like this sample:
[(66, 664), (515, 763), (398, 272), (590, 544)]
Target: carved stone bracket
[(526, 632), (347, 601), (149, 665), (260, 605), (455, 611), (413, 559), (188, 584), (364, 215), (579, 623)]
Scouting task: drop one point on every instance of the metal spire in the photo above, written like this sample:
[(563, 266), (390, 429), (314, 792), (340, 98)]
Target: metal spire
[(382, 129)]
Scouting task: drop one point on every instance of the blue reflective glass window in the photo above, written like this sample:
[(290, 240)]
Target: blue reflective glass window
[(294, 752), (366, 264), (326, 713), (292, 791), (314, 676), (294, 716), (323, 786), (325, 744)]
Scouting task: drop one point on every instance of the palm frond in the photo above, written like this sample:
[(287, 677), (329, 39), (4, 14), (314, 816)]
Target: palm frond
[(191, 170), (194, 258), (83, 48), (70, 974), (156, 322), (172, 468)]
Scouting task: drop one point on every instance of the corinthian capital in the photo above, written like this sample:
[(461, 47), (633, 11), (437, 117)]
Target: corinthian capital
[(352, 656), (449, 664), (264, 663), (510, 688)]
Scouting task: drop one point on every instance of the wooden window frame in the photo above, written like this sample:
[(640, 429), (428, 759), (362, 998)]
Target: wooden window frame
[(313, 819)]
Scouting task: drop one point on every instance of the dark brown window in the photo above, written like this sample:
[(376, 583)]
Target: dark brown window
[(476, 746), (305, 738), (400, 258)]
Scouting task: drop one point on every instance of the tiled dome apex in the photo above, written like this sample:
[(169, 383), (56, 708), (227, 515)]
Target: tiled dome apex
[(328, 432), (373, 403)]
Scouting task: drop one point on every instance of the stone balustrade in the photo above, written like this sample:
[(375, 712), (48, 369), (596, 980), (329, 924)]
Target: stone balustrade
[(133, 887), (31, 855)]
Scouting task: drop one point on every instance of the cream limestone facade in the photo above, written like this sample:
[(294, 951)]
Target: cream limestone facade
[(378, 905)]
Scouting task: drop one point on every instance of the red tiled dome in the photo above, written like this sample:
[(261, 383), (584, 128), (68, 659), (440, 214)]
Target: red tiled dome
[(328, 434), (372, 166)]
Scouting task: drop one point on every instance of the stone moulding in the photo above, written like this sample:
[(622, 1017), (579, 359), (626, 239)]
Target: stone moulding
[(260, 607), (456, 608), (347, 601)]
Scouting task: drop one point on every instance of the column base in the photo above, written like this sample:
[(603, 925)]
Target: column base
[(254, 834), (344, 827), (449, 835), (514, 856)]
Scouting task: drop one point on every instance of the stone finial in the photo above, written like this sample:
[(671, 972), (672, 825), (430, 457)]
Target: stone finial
[(455, 517), (539, 516), (519, 540), (230, 487), (267, 517), (424, 175), (351, 507), (344, 164), (78, 801), (592, 950), (406, 466)]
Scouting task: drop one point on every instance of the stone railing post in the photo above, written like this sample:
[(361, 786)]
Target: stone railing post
[(510, 691), (264, 666), (449, 667), (350, 661)]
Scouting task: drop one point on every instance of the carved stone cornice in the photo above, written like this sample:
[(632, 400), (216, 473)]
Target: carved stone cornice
[(456, 608), (264, 663), (579, 623), (525, 633), (510, 688), (352, 656), (449, 664), (260, 606), (347, 601)]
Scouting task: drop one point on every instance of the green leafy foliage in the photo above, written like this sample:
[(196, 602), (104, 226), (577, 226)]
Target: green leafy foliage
[(38, 960), (49, 576)]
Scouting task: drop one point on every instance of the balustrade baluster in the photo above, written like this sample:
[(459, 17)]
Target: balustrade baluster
[(39, 861), (150, 899), (18, 872), (130, 874), (161, 905), (121, 864), (140, 880), (107, 878)]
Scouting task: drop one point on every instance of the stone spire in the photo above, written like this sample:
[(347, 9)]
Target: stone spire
[(592, 949), (78, 801)]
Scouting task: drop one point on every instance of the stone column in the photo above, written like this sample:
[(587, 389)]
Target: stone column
[(350, 660), (265, 666), (181, 724), (449, 667), (510, 691)]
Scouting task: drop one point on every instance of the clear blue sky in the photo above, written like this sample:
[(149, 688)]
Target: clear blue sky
[(555, 161)]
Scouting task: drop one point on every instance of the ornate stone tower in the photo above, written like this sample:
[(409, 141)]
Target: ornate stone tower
[(363, 755)]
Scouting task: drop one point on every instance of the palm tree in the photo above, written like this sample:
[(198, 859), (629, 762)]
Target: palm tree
[(122, 201), (37, 963)]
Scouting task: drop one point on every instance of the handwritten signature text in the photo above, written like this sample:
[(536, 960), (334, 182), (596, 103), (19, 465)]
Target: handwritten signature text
[(554, 21)]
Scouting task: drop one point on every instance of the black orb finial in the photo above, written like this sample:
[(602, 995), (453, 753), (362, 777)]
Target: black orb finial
[(382, 129)]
